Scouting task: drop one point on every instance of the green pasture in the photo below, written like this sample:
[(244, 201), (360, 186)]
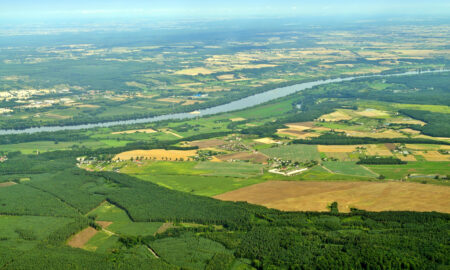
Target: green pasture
[(297, 152)]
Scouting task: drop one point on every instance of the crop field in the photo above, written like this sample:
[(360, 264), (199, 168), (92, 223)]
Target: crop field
[(233, 169), (419, 167), (293, 152), (199, 185), (265, 140), (433, 155), (377, 150), (335, 116), (158, 154), (371, 196), (337, 148), (81, 238), (253, 157), (349, 168), (207, 143), (146, 130)]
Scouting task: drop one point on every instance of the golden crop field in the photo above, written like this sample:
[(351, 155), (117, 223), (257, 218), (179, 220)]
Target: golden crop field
[(370, 196), (337, 148)]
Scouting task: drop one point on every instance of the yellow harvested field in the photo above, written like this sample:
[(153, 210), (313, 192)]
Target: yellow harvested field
[(191, 102), (407, 121), (433, 156), (237, 119), (384, 134), (410, 131), (335, 116), (297, 127), (194, 71), (215, 159), (302, 124), (158, 154), (406, 158), (337, 148), (308, 135), (81, 238), (88, 106), (226, 77), (147, 130), (171, 100), (370, 196), (377, 150), (266, 140), (372, 113)]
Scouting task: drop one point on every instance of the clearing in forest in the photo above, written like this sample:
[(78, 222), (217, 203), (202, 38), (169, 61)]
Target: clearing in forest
[(81, 238), (370, 196), (156, 154)]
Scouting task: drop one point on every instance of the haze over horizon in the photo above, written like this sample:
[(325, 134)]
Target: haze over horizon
[(53, 9)]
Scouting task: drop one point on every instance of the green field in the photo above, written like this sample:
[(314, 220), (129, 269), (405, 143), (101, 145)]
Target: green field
[(234, 169), (349, 168), (419, 167), (295, 152), (199, 185)]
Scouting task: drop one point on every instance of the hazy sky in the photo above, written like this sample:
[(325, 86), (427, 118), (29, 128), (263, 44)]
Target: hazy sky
[(152, 8)]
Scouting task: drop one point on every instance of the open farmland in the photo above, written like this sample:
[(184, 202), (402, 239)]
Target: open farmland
[(348, 168), (295, 152), (419, 167), (146, 130), (158, 154), (370, 196), (254, 157), (207, 143)]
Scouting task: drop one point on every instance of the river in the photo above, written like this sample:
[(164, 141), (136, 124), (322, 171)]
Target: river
[(240, 104)]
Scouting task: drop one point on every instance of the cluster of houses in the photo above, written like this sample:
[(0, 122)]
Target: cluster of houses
[(3, 158)]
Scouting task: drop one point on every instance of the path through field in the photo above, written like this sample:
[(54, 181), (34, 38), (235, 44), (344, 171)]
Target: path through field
[(372, 196)]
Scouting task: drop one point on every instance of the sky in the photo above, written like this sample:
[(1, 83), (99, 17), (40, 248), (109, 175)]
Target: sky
[(32, 9)]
